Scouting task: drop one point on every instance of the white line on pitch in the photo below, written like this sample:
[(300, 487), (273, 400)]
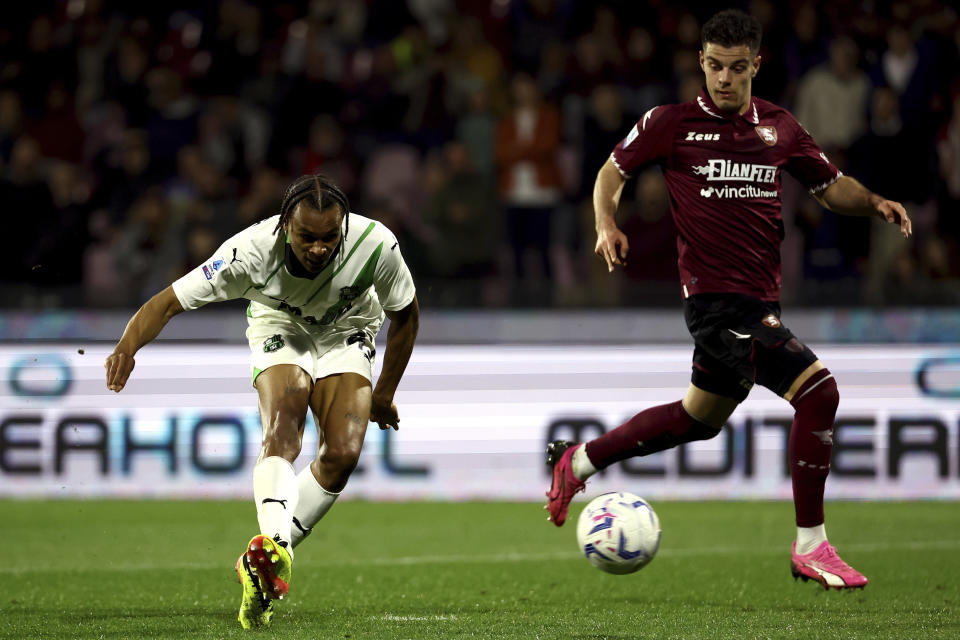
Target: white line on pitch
[(402, 561)]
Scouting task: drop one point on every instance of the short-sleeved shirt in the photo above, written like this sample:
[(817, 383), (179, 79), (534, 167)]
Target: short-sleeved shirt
[(723, 175), (366, 276)]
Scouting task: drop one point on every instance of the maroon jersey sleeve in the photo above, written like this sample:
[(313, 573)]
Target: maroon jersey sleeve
[(649, 141), (808, 163)]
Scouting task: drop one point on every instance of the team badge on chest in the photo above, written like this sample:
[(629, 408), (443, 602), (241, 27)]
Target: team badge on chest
[(768, 134)]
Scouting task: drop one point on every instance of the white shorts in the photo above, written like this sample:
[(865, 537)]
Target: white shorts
[(274, 341)]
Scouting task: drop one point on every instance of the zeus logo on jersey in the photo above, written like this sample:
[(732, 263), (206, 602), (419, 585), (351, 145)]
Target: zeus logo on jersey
[(740, 171), (705, 137)]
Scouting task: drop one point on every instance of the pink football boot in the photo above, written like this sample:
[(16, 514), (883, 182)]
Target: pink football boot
[(826, 567), (565, 485)]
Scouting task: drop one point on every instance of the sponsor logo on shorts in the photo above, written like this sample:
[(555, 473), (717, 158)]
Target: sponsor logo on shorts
[(771, 321), (273, 343), (207, 272), (768, 134)]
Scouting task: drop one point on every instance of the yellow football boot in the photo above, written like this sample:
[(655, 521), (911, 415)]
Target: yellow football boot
[(264, 570)]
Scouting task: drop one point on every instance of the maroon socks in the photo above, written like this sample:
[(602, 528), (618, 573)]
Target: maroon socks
[(652, 430), (811, 442)]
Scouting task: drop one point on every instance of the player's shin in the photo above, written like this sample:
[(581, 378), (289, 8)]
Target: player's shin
[(276, 495), (314, 502), (810, 446), (650, 431)]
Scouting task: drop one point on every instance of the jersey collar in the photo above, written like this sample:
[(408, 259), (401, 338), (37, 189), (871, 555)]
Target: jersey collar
[(706, 103)]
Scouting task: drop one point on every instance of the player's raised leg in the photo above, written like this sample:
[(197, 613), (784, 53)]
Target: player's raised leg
[(815, 397), (655, 429)]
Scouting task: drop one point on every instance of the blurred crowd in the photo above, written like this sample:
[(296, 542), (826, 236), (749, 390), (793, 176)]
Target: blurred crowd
[(135, 137)]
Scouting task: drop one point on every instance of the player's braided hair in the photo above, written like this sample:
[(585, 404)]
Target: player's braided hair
[(320, 192), (731, 28)]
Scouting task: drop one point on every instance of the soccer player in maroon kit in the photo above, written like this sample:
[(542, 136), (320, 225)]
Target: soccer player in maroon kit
[(721, 156)]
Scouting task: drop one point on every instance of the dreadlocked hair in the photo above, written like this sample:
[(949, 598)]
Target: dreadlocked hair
[(318, 191)]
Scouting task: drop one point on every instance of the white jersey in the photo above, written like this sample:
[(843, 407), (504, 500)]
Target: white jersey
[(365, 277)]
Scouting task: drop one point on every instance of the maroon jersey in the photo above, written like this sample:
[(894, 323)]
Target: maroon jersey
[(723, 175)]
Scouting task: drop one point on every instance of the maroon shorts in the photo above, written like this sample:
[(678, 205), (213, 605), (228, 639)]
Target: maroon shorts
[(740, 342)]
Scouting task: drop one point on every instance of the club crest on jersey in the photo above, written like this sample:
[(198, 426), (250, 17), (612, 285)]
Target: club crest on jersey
[(273, 343), (768, 134), (350, 293)]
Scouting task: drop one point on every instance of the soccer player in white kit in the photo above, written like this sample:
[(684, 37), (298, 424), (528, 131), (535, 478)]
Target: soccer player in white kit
[(320, 281)]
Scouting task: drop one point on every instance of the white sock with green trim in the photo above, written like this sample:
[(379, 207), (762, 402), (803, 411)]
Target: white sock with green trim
[(809, 538), (314, 502), (275, 494)]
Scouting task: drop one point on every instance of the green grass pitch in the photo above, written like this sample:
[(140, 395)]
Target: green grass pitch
[(156, 569)]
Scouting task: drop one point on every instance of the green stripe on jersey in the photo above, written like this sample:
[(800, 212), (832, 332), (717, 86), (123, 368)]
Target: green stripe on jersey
[(361, 283), (363, 236)]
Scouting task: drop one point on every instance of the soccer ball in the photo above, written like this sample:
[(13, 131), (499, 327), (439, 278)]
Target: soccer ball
[(618, 532)]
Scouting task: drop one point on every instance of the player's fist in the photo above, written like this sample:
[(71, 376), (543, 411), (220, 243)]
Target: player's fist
[(384, 412), (119, 366), (612, 246)]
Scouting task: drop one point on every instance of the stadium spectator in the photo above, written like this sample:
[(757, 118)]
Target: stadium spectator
[(317, 355), (11, 122), (832, 98), (948, 152), (458, 211), (729, 263), (528, 140), (477, 130)]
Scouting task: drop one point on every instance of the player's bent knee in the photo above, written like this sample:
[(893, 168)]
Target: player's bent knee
[(821, 391), (710, 409), (341, 459)]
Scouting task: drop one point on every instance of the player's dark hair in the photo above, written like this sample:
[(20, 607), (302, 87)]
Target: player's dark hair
[(732, 28), (318, 191)]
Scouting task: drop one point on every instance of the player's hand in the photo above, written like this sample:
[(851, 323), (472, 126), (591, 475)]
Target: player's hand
[(119, 366), (612, 246), (894, 213), (384, 412)]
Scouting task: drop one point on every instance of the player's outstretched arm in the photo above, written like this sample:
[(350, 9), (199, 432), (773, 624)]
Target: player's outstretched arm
[(404, 325), (612, 244), (848, 197), (144, 326)]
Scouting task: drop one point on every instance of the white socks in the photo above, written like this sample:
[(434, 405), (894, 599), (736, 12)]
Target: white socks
[(809, 538), (313, 504), (275, 494), (580, 463)]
